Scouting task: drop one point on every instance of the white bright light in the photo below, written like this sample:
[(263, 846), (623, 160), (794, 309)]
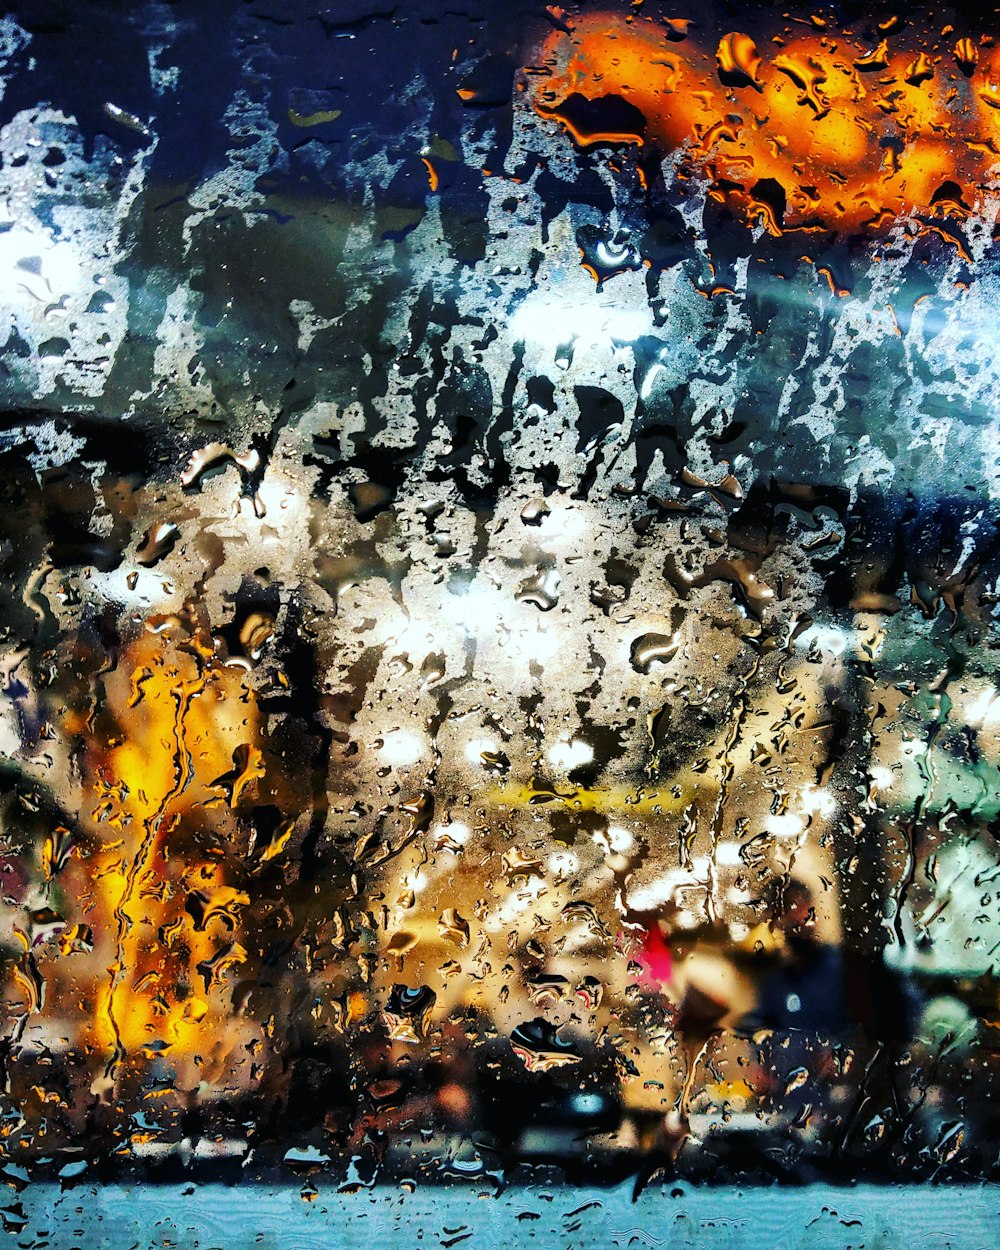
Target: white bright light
[(475, 747), (515, 904), (545, 319), (829, 639), (284, 504), (818, 800), (56, 274), (562, 524), (569, 755), (619, 840), (655, 894), (647, 383), (986, 709), (563, 863), (915, 746), (401, 747), (480, 606), (787, 826), (414, 640), (457, 832), (537, 644)]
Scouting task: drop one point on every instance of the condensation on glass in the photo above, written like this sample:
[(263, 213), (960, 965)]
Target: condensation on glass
[(500, 564)]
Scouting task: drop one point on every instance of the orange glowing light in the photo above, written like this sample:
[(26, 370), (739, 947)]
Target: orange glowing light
[(167, 920), (432, 175), (804, 131)]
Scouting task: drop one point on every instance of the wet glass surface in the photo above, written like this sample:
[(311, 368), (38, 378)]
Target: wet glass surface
[(501, 568)]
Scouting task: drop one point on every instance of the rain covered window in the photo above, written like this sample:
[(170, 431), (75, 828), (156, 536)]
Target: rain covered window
[(500, 623)]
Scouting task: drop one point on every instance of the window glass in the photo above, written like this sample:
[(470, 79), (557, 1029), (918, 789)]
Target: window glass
[(499, 648)]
